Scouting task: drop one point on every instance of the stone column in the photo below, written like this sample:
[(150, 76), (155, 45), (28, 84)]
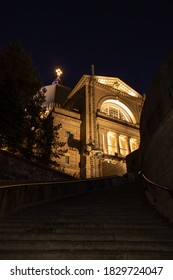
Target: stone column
[(106, 141), (100, 135), (128, 145), (117, 143)]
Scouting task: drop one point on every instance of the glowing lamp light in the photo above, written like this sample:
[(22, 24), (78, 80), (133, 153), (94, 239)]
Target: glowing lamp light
[(58, 77), (58, 72)]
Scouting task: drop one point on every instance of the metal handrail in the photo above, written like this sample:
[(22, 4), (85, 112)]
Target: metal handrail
[(154, 183), (33, 184), (56, 182)]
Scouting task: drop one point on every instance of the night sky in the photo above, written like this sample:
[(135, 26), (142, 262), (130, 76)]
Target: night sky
[(125, 39)]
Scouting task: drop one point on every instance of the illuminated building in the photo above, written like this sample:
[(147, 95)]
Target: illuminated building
[(100, 124)]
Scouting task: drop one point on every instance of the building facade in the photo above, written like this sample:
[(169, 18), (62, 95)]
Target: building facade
[(100, 124)]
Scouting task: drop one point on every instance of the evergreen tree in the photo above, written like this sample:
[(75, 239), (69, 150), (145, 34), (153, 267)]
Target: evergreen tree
[(25, 128), (19, 82)]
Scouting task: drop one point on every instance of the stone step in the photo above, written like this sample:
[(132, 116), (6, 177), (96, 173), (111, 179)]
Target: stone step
[(80, 214), (85, 245), (85, 210), (114, 223), (85, 255), (84, 220), (163, 232), (107, 236), (82, 224), (96, 202)]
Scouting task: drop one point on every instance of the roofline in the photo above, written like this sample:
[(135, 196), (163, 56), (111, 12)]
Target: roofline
[(85, 78)]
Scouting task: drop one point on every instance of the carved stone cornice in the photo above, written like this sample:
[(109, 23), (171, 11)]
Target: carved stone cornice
[(102, 130), (85, 80), (101, 117), (119, 93), (68, 118)]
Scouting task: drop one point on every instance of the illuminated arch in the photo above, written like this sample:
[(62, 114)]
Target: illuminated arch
[(117, 109)]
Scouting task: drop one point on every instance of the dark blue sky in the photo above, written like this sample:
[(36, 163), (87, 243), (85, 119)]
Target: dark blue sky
[(125, 39)]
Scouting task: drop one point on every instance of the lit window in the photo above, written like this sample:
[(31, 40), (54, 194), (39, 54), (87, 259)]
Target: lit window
[(67, 159), (133, 144), (106, 111), (123, 145), (118, 110), (112, 147), (122, 116), (67, 134), (114, 112)]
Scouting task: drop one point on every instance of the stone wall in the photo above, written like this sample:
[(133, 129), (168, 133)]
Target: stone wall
[(16, 168), (160, 199), (69, 134), (133, 163), (156, 149)]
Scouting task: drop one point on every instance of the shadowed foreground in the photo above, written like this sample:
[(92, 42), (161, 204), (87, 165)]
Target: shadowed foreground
[(112, 223)]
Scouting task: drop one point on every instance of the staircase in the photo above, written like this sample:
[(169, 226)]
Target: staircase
[(111, 223)]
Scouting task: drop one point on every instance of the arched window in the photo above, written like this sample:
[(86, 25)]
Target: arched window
[(118, 110)]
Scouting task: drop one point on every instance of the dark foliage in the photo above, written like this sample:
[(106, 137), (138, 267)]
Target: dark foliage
[(25, 128)]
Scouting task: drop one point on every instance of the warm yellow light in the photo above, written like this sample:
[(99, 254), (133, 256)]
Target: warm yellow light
[(121, 105), (58, 72)]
